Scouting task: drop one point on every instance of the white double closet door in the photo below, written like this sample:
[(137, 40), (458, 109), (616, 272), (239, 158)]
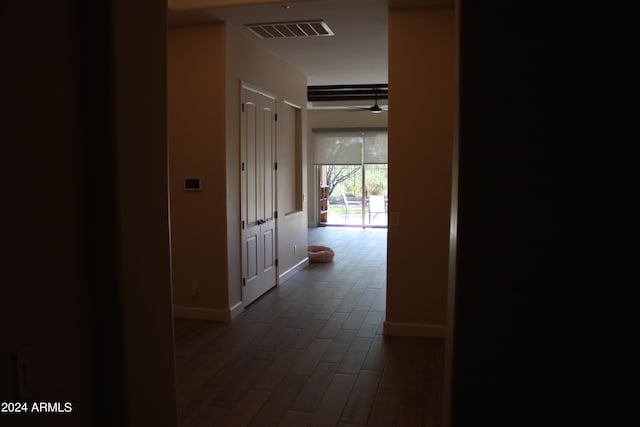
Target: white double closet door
[(258, 181)]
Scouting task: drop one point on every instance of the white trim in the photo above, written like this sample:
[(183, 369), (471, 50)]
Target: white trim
[(293, 270), (215, 314), (291, 104), (413, 330), (257, 90), (235, 310)]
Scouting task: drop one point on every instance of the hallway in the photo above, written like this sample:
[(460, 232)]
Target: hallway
[(311, 351)]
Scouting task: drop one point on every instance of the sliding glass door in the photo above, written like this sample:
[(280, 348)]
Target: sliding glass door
[(352, 176)]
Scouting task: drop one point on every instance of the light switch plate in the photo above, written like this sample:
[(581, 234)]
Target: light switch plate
[(192, 184)]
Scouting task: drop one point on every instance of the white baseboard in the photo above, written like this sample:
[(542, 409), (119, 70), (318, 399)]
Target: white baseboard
[(293, 270), (235, 310), (215, 314), (413, 330)]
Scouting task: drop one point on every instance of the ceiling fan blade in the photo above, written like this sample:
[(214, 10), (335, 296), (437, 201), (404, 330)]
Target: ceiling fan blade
[(379, 109)]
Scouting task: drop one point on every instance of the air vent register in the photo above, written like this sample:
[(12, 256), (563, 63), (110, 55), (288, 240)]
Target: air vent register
[(313, 28)]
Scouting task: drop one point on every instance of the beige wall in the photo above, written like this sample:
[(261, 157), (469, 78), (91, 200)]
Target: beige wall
[(250, 63), (333, 119), (196, 111), (421, 129), (289, 144), (206, 67), (292, 232)]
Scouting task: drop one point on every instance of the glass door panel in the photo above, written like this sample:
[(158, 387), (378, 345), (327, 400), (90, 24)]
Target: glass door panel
[(376, 178), (343, 201), (342, 187)]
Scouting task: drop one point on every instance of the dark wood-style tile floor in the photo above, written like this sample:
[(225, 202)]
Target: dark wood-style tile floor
[(311, 352)]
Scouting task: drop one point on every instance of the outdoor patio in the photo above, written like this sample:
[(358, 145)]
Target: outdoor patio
[(350, 214)]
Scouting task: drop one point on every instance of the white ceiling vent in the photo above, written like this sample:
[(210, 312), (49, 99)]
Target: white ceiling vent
[(291, 29)]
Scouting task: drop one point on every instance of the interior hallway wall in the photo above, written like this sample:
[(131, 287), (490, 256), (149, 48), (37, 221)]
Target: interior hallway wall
[(250, 63), (421, 132), (206, 67), (196, 111)]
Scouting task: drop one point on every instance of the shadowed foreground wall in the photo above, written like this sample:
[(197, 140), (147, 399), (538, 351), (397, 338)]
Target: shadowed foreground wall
[(86, 301), (46, 302), (510, 366), (143, 240)]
